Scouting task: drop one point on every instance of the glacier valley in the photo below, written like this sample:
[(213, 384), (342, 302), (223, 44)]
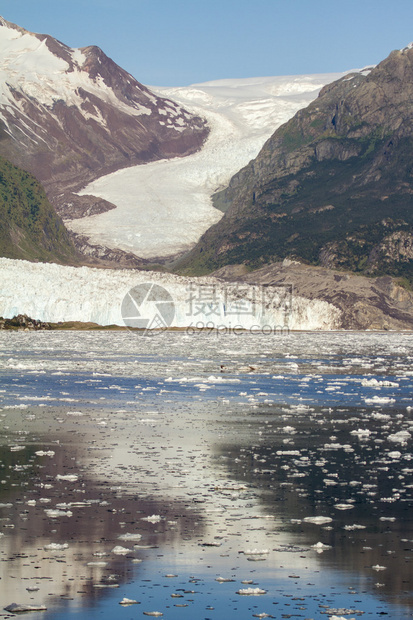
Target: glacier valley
[(164, 207)]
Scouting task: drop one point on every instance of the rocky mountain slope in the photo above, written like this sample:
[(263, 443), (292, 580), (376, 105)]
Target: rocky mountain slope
[(362, 303), (70, 115), (29, 227), (331, 187)]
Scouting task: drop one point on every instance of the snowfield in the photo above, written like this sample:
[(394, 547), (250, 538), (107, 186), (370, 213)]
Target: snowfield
[(164, 207), (50, 292)]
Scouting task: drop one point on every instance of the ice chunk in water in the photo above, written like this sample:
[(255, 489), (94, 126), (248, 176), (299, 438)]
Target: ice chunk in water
[(318, 520), (251, 591)]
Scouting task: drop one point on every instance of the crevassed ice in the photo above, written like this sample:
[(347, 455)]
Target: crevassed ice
[(164, 207), (51, 292)]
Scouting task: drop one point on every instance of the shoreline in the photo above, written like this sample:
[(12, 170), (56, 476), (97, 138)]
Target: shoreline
[(22, 323)]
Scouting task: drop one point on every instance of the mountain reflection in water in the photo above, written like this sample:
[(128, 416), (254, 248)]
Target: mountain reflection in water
[(131, 467)]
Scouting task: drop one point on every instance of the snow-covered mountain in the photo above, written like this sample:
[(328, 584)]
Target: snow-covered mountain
[(165, 206), (70, 115), (77, 121)]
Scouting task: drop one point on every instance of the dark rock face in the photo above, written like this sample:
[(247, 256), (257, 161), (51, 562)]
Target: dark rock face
[(364, 303), (81, 116), (23, 322), (332, 187), (102, 256)]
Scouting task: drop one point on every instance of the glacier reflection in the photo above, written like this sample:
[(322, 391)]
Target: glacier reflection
[(125, 460)]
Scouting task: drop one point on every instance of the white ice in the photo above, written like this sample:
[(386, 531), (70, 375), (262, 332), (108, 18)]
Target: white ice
[(164, 207), (50, 292)]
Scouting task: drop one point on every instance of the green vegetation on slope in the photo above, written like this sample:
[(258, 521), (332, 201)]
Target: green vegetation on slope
[(326, 217), (29, 227)]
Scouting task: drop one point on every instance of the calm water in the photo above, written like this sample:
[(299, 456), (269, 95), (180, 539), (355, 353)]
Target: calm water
[(207, 476)]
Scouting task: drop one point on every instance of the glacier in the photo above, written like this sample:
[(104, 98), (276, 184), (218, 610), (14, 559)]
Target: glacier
[(162, 208), (51, 292)]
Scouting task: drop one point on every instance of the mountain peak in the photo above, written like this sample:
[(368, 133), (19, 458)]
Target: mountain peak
[(7, 24), (70, 115)]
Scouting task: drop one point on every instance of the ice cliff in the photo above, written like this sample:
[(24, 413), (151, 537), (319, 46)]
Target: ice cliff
[(51, 292)]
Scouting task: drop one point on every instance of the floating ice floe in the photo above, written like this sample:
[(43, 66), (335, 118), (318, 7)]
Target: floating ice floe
[(355, 526), (376, 383), (18, 407), (152, 519), (343, 506), (338, 446), (256, 551), (361, 432), (377, 567), (128, 601), (119, 550), (58, 513), (67, 477), (320, 547), (379, 400), (400, 437), (157, 614), (132, 536), (317, 520), (380, 416), (56, 547), (16, 608), (255, 555), (44, 453), (251, 591), (288, 453)]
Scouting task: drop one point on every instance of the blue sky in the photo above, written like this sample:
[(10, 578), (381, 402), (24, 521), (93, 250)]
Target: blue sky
[(179, 42)]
